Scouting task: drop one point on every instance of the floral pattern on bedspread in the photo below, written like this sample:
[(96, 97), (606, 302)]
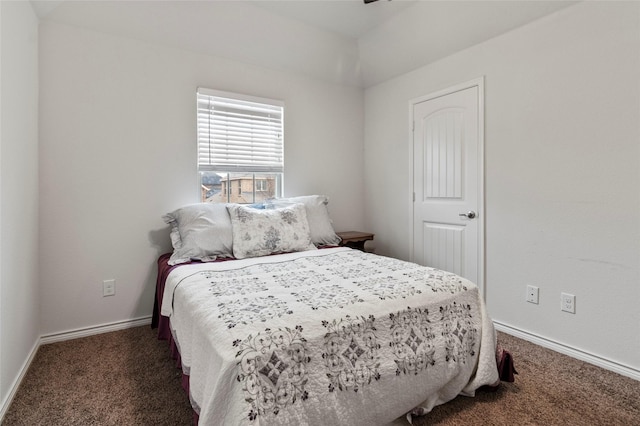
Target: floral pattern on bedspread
[(349, 271), (437, 280), (247, 311), (351, 352), (302, 278), (458, 331), (388, 287), (272, 369), (327, 297), (413, 341), (277, 267), (237, 285)]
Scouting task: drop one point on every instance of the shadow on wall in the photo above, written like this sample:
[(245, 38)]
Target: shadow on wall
[(160, 242), (160, 239)]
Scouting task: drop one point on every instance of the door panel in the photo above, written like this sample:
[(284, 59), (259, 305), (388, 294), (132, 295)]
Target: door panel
[(447, 183), (443, 247), (443, 154)]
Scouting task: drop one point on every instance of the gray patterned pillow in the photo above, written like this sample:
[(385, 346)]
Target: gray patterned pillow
[(263, 232), (320, 225)]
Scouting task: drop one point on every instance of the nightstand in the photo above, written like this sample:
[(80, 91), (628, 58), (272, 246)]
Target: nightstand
[(354, 239)]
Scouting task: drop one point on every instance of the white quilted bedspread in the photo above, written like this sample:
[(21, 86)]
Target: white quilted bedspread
[(326, 337)]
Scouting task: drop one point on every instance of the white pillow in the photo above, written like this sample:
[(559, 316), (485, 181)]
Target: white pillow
[(320, 226), (264, 232), (200, 232)]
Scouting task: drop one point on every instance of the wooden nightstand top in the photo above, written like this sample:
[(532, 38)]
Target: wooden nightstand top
[(354, 236)]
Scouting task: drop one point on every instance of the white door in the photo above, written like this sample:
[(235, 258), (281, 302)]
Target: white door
[(448, 181)]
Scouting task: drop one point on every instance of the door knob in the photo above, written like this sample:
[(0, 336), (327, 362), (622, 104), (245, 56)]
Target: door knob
[(470, 214)]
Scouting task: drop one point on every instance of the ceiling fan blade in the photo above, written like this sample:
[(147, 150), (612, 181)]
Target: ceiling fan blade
[(369, 1)]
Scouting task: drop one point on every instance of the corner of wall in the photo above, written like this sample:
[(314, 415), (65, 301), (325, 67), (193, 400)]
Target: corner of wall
[(19, 193)]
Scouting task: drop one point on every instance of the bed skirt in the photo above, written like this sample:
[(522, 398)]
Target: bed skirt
[(162, 323)]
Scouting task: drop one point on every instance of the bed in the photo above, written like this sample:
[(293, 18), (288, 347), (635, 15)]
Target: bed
[(316, 336)]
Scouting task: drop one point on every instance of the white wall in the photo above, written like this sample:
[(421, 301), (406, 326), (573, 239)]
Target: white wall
[(19, 306), (428, 31), (562, 172), (237, 30), (118, 150)]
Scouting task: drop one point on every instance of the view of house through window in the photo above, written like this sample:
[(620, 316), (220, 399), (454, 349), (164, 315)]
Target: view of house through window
[(240, 147), (242, 188)]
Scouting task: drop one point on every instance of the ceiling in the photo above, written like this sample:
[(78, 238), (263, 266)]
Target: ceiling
[(342, 41), (350, 18)]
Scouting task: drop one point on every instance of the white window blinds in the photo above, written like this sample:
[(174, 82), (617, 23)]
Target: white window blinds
[(239, 133)]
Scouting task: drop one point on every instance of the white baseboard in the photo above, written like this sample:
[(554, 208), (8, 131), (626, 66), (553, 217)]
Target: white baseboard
[(596, 360), (60, 337), (16, 383), (97, 329)]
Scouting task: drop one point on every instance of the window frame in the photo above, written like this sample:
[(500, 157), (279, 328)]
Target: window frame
[(246, 137)]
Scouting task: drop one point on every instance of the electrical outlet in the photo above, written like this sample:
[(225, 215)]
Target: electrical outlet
[(532, 294), (568, 303), (108, 288)]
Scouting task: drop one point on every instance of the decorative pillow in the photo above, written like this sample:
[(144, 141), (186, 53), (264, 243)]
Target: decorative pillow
[(263, 232), (320, 226), (200, 232)]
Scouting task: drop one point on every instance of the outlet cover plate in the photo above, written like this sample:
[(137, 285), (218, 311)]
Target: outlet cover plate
[(108, 288), (568, 303), (533, 294)]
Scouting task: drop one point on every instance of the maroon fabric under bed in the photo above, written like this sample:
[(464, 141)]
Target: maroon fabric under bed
[(162, 322), (159, 321)]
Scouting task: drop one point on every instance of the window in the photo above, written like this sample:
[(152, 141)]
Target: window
[(240, 145)]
